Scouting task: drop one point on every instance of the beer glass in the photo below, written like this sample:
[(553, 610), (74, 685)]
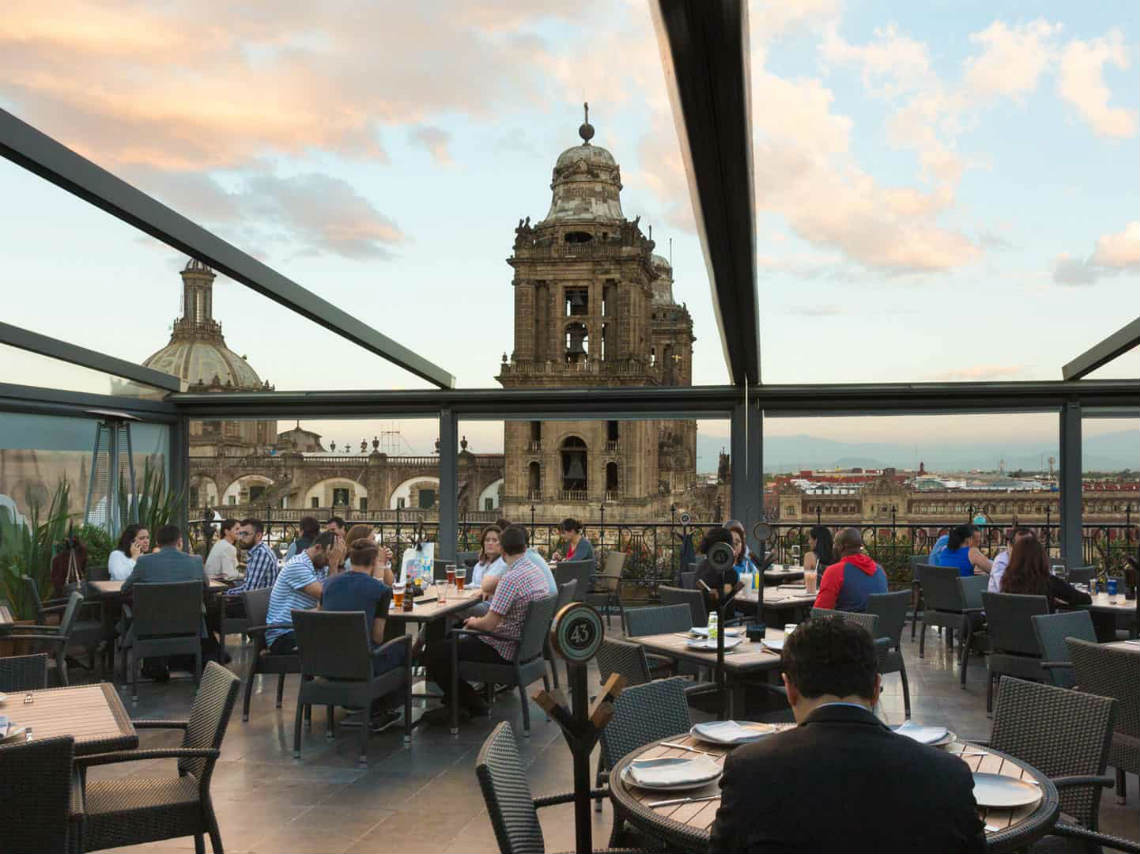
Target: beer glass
[(451, 573), (460, 578), (398, 594)]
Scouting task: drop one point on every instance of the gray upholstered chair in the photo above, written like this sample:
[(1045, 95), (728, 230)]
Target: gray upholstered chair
[(1013, 649), (565, 597), (527, 665), (891, 609), (606, 591), (129, 810), (948, 602), (510, 806), (580, 570), (23, 672), (1113, 672), (35, 795), (1065, 735), (694, 600), (336, 670), (1051, 630), (165, 619), (260, 659), (54, 640)]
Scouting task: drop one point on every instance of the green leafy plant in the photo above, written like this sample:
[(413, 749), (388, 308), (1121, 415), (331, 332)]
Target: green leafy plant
[(27, 546), (97, 541), (153, 503)]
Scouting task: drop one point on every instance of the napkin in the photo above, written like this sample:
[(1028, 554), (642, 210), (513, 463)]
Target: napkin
[(710, 643), (727, 732), (922, 734), (731, 632), (673, 772)]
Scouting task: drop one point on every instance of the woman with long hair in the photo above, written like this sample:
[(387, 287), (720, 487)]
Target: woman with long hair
[(963, 553), (741, 555), (133, 542), (1028, 573), (821, 553), (383, 568), (490, 552)]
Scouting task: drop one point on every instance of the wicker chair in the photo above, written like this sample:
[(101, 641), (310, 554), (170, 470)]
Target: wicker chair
[(23, 672), (527, 666), (467, 559), (166, 620), (580, 570), (1110, 672), (1051, 631), (35, 795), (1065, 735), (136, 809), (688, 580), (694, 600), (891, 609), (54, 639), (565, 596), (512, 809), (1080, 574), (916, 603), (1013, 649), (86, 627), (948, 602), (336, 670), (260, 659), (606, 592), (659, 620)]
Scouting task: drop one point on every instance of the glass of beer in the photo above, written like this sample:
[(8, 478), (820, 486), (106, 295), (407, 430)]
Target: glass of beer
[(451, 573), (398, 594), (809, 581), (460, 577)]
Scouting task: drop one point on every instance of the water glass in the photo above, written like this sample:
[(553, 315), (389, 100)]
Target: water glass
[(441, 592), (788, 629)]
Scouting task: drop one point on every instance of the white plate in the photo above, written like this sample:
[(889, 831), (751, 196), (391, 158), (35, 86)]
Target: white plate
[(923, 734), (703, 632), (731, 732), (675, 774), (996, 790), (709, 644), (776, 644)]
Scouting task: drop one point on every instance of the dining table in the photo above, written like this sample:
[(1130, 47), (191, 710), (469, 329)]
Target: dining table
[(687, 825), (783, 574), (91, 714)]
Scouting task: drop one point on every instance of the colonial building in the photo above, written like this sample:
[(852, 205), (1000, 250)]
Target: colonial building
[(594, 308)]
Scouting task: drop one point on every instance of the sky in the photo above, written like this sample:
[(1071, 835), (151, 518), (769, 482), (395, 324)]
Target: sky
[(945, 191)]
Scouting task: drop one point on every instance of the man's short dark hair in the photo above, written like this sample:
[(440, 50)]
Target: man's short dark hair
[(827, 655), (310, 527), (228, 523), (338, 521), (714, 536), (570, 524), (503, 524), (513, 540), (325, 540), (253, 523), (168, 535)]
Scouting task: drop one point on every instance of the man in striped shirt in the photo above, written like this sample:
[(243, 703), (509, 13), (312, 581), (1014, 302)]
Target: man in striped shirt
[(261, 563)]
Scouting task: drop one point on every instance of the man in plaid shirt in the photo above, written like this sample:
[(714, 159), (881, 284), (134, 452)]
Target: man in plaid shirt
[(522, 583), (261, 563)]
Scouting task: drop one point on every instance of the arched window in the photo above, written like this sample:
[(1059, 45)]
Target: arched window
[(534, 480), (612, 482), (573, 465)]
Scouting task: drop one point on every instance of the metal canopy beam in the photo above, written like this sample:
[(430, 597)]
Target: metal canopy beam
[(1114, 345), (704, 48), (51, 401), (665, 402), (38, 153), (34, 342)]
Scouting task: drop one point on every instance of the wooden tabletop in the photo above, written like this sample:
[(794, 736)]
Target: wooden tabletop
[(747, 657), (426, 612), (1120, 606), (109, 589), (784, 572), (92, 714), (780, 597), (693, 821)]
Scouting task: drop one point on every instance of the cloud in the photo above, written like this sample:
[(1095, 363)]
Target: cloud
[(1113, 254), (1012, 59), (980, 373), (436, 141), (1080, 82)]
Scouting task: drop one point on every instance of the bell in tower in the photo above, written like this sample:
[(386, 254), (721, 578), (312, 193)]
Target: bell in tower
[(577, 337)]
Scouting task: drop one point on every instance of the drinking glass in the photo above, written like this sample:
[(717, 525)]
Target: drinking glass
[(809, 581), (441, 592), (789, 628), (460, 578), (398, 594), (451, 573), (1112, 588)]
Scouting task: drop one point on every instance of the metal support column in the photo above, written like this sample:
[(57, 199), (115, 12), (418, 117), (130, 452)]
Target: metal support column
[(746, 446), (178, 475), (448, 483), (1070, 484)]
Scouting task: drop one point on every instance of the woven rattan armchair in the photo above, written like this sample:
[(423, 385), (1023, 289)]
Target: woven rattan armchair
[(512, 809), (694, 600), (891, 609), (1051, 630), (606, 590), (580, 570), (136, 809), (260, 658), (336, 670), (53, 639), (565, 597), (1110, 672), (35, 796), (659, 620), (527, 665), (1013, 649), (23, 672), (949, 603), (1065, 735), (86, 626), (165, 619)]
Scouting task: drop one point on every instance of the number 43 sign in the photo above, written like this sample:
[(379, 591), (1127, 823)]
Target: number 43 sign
[(577, 632)]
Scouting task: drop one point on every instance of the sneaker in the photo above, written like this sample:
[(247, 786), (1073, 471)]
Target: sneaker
[(382, 720)]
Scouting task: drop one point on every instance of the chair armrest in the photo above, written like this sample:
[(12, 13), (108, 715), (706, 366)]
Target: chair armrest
[(57, 604), (402, 640), (257, 629), (1057, 665), (161, 724), (1084, 780), (31, 627), (1071, 831), (139, 755), (56, 638), (568, 798), (477, 633)]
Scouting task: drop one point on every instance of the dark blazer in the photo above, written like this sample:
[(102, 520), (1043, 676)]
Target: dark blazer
[(167, 564), (842, 781)]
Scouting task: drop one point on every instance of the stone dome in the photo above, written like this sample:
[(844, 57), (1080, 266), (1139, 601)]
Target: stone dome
[(662, 284), (586, 184), (197, 352)]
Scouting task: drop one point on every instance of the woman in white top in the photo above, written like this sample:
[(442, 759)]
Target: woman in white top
[(490, 552), (135, 541)]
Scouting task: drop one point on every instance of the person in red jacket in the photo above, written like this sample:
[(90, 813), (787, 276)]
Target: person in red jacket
[(847, 584)]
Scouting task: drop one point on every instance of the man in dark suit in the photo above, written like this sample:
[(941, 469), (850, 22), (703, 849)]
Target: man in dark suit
[(167, 564), (841, 780)]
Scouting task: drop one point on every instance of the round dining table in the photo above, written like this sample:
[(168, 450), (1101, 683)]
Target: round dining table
[(687, 826)]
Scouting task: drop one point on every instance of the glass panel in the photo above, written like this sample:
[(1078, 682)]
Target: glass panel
[(1110, 460), (21, 367)]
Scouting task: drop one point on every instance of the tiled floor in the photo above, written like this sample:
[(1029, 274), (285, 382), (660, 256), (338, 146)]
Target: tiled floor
[(424, 797)]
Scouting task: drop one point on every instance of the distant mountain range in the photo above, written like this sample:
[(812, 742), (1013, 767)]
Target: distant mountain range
[(1107, 452)]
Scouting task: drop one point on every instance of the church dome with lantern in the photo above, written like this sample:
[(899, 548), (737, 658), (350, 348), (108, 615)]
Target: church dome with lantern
[(586, 183)]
